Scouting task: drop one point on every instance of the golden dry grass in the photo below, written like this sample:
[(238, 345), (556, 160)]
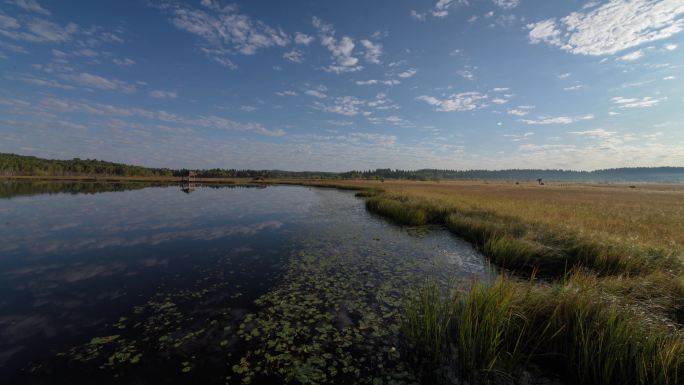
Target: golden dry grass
[(648, 215)]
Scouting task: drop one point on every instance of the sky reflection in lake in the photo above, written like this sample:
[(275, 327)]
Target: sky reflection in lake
[(78, 266)]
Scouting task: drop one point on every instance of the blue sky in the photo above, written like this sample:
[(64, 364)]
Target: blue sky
[(339, 85)]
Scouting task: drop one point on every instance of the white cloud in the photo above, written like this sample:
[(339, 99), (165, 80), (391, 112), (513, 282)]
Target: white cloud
[(615, 26), (373, 51), (442, 7), (517, 112), (564, 76), (574, 88), (294, 56), (417, 15), (224, 31), (466, 74), (408, 73), (248, 108), (160, 94), (345, 105), (31, 5), (47, 83), (499, 101), (211, 121), (507, 4), (36, 30), (644, 102), (370, 82), (125, 62), (286, 93), (466, 101), (544, 120), (341, 50), (500, 89), (316, 93), (669, 78), (595, 133), (632, 56), (670, 47), (94, 81), (304, 39)]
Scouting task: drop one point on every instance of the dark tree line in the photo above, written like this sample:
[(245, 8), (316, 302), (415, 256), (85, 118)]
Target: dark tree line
[(11, 164)]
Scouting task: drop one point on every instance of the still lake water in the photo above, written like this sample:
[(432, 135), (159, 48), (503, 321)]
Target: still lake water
[(135, 284)]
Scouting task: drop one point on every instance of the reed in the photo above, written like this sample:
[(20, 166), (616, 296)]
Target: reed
[(502, 327)]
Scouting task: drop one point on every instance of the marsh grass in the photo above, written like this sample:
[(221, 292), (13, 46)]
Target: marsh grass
[(608, 309), (525, 247), (499, 329)]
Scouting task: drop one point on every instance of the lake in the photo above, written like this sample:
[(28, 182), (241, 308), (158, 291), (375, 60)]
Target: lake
[(142, 284)]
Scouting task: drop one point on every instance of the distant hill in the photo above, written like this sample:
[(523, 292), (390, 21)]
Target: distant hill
[(12, 164), (627, 174)]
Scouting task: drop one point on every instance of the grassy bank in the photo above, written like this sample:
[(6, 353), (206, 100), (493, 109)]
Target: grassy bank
[(497, 330), (608, 310)]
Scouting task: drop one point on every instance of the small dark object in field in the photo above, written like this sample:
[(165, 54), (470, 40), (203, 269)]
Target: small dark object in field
[(632, 186)]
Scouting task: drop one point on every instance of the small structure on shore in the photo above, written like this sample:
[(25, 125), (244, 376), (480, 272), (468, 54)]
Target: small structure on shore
[(188, 181), (188, 176)]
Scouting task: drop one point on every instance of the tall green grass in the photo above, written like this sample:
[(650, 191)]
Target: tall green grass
[(498, 329)]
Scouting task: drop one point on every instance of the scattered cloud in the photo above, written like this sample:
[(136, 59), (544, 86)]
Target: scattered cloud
[(466, 101), (595, 133), (344, 105), (442, 7), (89, 80), (417, 15), (47, 83), (573, 88), (341, 50), (670, 47), (408, 73), (31, 6), (36, 30), (391, 82), (294, 56), (507, 4), (632, 56), (248, 108), (125, 62), (564, 75), (615, 26), (159, 94), (644, 102), (517, 112), (223, 30), (286, 93), (316, 93), (545, 120), (373, 51), (303, 39)]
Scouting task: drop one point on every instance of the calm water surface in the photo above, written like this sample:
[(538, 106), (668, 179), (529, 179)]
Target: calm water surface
[(134, 284)]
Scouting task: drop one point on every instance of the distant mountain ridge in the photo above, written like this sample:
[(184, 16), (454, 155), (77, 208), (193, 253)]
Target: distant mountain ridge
[(21, 165)]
